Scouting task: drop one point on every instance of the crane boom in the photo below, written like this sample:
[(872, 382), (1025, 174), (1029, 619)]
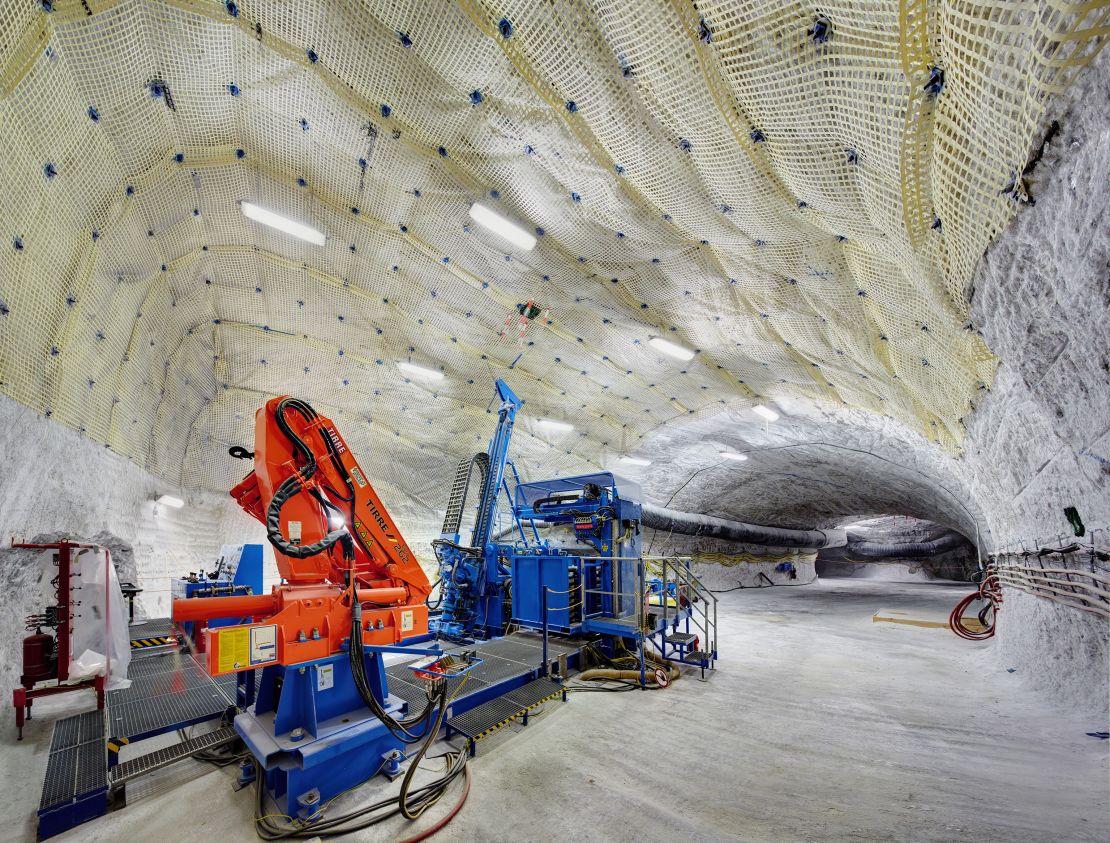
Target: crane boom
[(320, 511), (336, 546)]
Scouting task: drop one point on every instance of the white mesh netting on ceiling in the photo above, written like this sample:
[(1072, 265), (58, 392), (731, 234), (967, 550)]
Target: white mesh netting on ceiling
[(799, 192)]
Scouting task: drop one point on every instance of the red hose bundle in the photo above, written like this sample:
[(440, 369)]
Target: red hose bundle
[(990, 592)]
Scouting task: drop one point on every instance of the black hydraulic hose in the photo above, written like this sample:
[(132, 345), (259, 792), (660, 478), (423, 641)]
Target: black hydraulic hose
[(399, 728), (428, 599), (355, 820), (421, 803), (293, 485)]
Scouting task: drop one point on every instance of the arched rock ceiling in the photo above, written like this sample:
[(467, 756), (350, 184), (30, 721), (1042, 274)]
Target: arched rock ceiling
[(817, 466), (798, 208)]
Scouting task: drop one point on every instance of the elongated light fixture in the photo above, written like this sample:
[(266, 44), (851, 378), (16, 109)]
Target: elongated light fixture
[(668, 347), (170, 500), (635, 461), (502, 226), (732, 455), (297, 229), (555, 425), (765, 412), (420, 371)]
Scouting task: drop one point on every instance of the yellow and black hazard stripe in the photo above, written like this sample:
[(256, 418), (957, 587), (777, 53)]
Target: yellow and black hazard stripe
[(487, 732), (114, 746), (159, 641)]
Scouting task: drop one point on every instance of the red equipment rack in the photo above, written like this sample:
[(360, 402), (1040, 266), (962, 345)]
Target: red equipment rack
[(39, 664)]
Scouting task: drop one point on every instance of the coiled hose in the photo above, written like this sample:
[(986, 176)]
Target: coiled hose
[(673, 671), (991, 593)]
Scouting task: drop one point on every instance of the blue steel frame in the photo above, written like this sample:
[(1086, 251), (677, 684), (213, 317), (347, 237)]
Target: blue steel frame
[(473, 585), (601, 586), (313, 735)]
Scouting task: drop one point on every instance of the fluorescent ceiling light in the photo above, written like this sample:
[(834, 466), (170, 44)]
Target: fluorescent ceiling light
[(502, 226), (635, 461), (170, 500), (305, 232), (732, 455), (555, 425), (420, 371), (670, 348), (766, 412)]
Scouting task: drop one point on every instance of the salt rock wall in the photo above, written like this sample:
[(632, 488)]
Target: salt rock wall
[(727, 566), (1040, 439), (56, 483), (895, 570)]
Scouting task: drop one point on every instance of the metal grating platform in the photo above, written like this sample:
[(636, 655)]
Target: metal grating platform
[(155, 635), (149, 716), (513, 649), (494, 669), (166, 692), (480, 720), (77, 763), (535, 692), (152, 628), (78, 729), (491, 716), (128, 770), (410, 693), (160, 663), (555, 645)]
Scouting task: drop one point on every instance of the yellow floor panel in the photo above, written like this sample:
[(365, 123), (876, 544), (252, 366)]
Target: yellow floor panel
[(890, 616)]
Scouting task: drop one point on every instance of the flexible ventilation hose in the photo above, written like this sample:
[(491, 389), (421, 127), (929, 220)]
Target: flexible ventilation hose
[(673, 671)]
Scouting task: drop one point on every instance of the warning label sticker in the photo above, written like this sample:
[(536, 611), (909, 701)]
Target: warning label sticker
[(407, 622), (325, 677), (234, 649), (263, 644)]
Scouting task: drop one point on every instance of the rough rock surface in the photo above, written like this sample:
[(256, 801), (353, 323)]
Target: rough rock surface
[(55, 484), (1037, 441)]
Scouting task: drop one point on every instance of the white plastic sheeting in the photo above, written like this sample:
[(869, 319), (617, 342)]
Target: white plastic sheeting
[(100, 641)]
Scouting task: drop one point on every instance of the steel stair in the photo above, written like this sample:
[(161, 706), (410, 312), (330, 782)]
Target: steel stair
[(127, 770)]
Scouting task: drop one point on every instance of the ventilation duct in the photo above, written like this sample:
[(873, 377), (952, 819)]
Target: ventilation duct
[(859, 546), (691, 524)]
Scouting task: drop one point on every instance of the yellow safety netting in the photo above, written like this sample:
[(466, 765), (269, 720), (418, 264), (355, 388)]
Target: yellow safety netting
[(800, 192)]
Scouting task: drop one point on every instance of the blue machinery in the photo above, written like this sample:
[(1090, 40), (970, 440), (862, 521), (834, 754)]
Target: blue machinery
[(474, 577), (319, 727), (598, 585), (238, 571)]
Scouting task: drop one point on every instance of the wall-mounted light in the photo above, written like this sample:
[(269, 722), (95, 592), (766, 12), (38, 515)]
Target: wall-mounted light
[(502, 226), (670, 348), (170, 500), (274, 220), (420, 371), (555, 426), (766, 412), (635, 461), (732, 455)]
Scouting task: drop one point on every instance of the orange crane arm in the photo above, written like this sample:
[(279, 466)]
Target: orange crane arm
[(323, 517)]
